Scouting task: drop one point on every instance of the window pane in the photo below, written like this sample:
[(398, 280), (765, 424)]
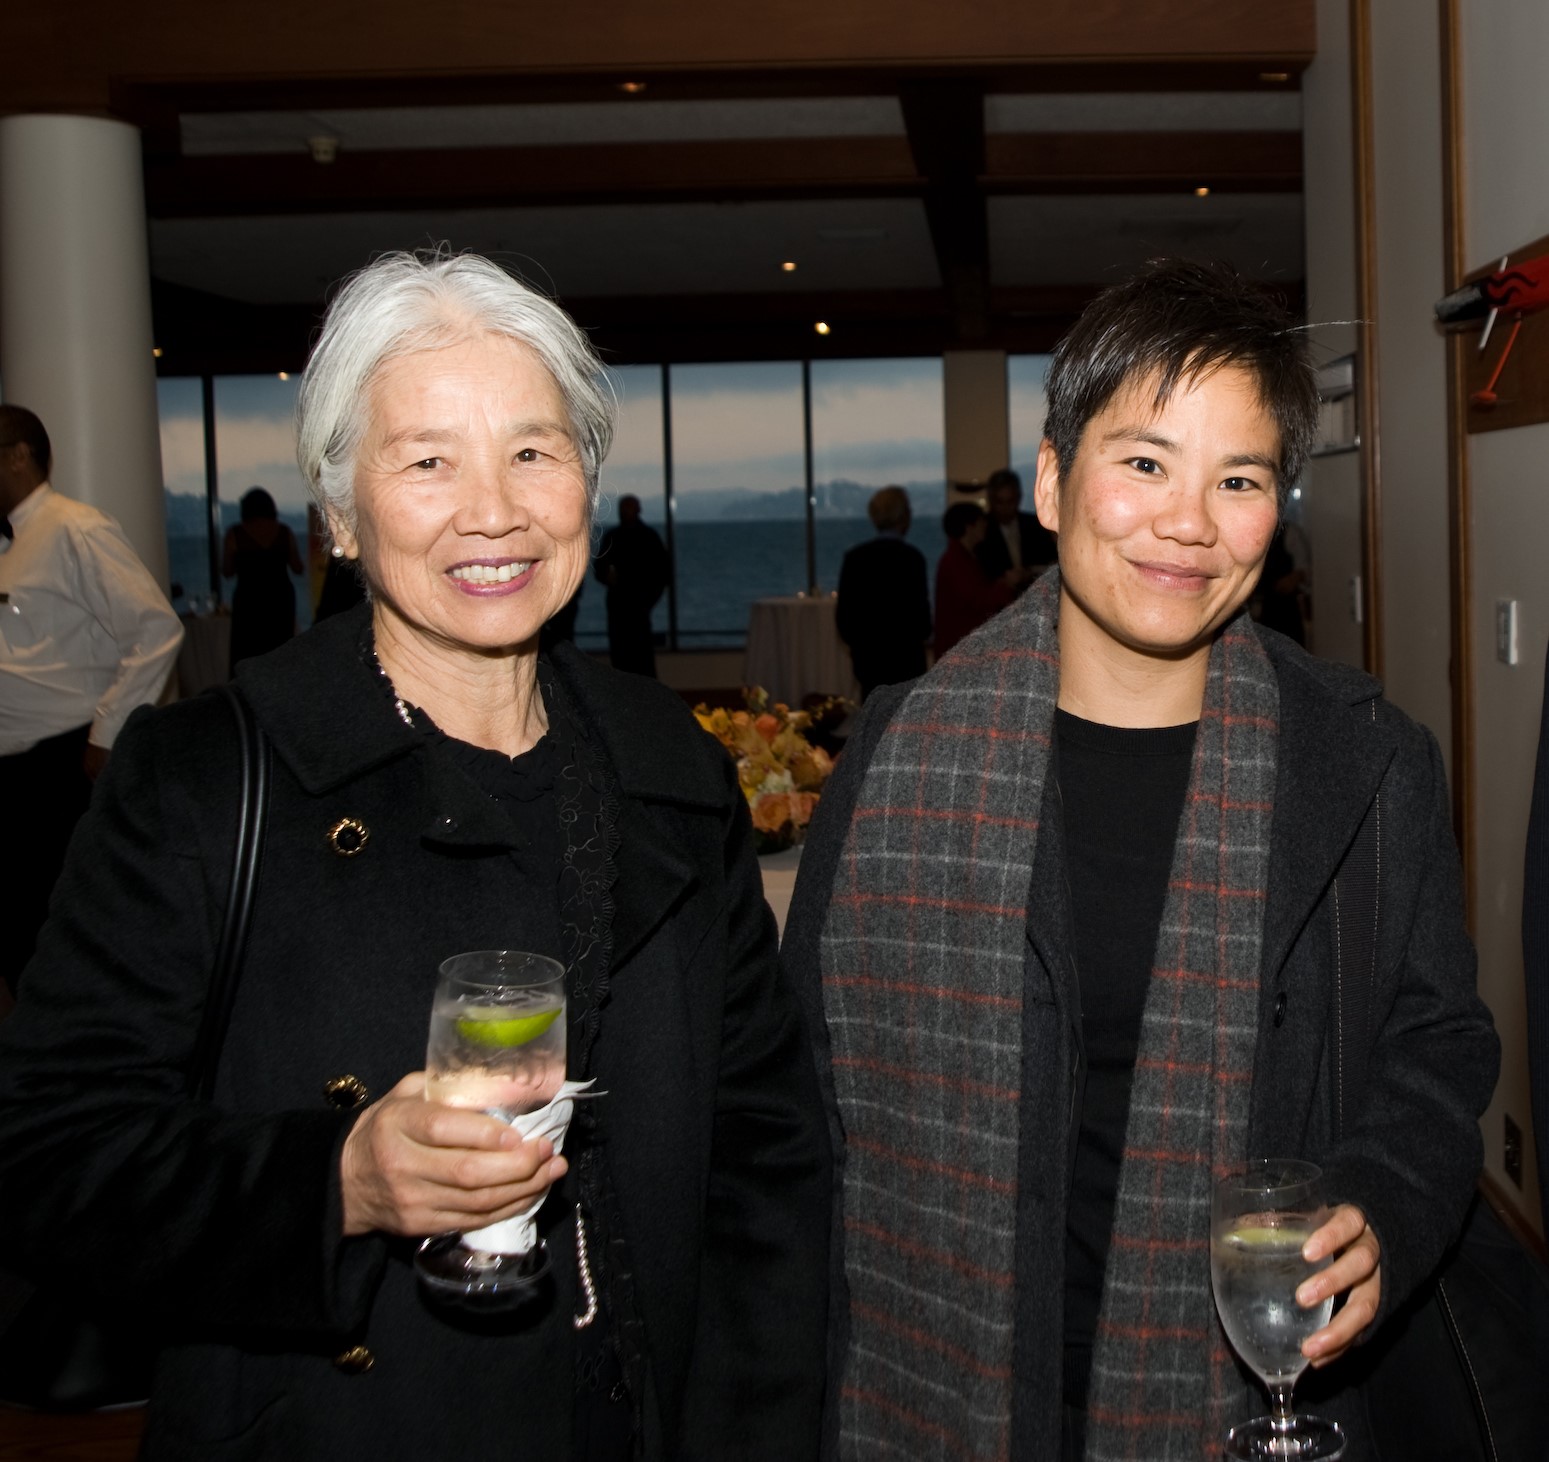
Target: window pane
[(1024, 388), (255, 446), (636, 464), (739, 494), (180, 406), (876, 423)]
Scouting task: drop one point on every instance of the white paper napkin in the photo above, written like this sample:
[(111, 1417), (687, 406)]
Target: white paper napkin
[(518, 1235)]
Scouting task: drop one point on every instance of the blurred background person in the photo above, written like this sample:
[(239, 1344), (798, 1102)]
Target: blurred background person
[(88, 637), (883, 612), (1015, 541), (260, 553), (335, 582), (632, 563), (965, 595)]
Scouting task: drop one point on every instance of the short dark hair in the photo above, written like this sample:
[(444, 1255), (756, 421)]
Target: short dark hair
[(1179, 320), (888, 509), (17, 424), (1004, 477), (959, 518)]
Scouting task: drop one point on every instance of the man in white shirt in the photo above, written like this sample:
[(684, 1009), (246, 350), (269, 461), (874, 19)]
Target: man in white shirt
[(86, 635)]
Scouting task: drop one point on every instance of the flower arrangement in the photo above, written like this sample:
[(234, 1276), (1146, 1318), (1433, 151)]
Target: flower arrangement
[(781, 773)]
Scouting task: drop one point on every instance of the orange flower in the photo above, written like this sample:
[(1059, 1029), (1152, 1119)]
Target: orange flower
[(767, 726), (771, 812)]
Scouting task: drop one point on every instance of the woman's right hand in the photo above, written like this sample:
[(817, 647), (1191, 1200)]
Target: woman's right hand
[(412, 1167)]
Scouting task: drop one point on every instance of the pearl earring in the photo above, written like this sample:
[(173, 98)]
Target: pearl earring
[(336, 551)]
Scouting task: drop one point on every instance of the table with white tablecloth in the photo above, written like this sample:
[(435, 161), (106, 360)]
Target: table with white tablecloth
[(794, 649), (779, 874)]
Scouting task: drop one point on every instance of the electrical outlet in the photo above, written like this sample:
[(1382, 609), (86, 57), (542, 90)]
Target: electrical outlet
[(1512, 1159), (1506, 631)]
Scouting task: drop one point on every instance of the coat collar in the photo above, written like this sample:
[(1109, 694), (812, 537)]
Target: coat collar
[(330, 723), (1330, 760), (1332, 755)]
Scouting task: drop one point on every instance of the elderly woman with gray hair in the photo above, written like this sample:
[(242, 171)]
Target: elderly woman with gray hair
[(436, 787)]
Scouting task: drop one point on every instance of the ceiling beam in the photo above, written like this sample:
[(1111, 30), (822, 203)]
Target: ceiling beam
[(255, 185), (409, 181), (945, 123)]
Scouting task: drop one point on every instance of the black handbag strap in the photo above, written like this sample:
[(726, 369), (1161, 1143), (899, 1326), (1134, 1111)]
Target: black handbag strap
[(1356, 911), (253, 813)]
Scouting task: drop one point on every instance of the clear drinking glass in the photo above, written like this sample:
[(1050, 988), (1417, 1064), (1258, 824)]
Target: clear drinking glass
[(497, 1044), (1261, 1215)]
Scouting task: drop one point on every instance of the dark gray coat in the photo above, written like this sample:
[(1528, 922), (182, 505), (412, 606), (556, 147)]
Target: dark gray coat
[(1410, 1157), (223, 1222)]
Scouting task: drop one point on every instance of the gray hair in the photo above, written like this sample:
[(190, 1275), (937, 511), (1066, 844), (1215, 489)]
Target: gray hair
[(406, 302)]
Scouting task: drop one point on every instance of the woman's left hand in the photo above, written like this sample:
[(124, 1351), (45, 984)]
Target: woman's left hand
[(1357, 1269)]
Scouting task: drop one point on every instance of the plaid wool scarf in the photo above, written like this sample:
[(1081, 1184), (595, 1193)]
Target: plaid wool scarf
[(922, 957)]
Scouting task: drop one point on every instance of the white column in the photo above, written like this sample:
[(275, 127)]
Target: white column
[(978, 433), (75, 313)]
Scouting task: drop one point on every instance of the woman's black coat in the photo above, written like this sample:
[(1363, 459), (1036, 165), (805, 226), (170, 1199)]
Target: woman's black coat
[(221, 1223)]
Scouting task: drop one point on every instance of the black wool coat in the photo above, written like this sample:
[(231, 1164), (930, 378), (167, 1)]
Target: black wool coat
[(220, 1224), (1408, 1159)]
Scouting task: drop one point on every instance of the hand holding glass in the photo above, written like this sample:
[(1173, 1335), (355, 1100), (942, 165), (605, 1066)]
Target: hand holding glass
[(497, 1045), (1261, 1216)]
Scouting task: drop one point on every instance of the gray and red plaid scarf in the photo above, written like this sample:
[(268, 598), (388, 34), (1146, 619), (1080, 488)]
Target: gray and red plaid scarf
[(922, 958)]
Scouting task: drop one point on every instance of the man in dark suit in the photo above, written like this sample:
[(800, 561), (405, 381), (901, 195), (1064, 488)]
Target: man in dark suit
[(884, 607), (632, 561), (1016, 540)]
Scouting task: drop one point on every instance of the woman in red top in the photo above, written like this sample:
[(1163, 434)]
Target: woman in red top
[(965, 598)]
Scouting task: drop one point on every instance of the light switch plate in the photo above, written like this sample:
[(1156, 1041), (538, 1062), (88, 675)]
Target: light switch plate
[(1506, 631)]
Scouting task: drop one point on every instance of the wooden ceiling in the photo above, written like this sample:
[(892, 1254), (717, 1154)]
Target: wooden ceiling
[(171, 61)]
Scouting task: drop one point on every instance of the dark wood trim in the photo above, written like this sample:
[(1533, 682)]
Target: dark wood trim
[(1459, 508), (254, 185), (1143, 162), (472, 177), (1367, 404)]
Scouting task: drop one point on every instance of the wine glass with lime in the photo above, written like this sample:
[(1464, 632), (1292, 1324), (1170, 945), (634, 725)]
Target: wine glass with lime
[(497, 1045), (1261, 1216)]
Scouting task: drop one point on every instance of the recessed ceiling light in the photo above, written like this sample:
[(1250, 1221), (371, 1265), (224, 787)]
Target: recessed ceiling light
[(631, 88), (1274, 75), (1202, 192), (156, 351), (789, 266), (821, 327), (285, 375)]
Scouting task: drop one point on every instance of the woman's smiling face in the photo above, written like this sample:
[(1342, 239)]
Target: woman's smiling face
[(472, 523), (1166, 514)]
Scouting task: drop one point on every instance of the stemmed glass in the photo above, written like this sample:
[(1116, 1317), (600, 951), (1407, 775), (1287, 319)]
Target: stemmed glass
[(497, 1044), (1261, 1215)]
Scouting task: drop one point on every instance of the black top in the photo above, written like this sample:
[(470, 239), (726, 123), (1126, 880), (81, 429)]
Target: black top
[(1122, 792)]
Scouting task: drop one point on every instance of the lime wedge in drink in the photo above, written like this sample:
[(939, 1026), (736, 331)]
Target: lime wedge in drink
[(1262, 1236), (504, 1031)]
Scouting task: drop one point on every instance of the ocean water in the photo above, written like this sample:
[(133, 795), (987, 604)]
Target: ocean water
[(721, 568)]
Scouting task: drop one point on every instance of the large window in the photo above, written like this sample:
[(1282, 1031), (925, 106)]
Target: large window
[(738, 494), (875, 423), (255, 446), (1027, 406), (636, 466), (757, 475), (180, 405)]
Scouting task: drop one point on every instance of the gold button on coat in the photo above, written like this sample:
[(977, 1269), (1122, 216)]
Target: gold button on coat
[(348, 837), (355, 1361), (345, 1092)]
